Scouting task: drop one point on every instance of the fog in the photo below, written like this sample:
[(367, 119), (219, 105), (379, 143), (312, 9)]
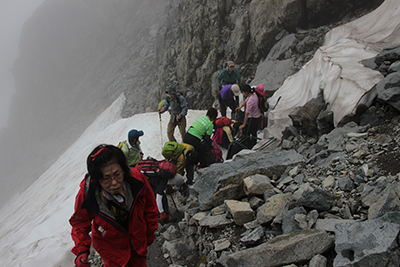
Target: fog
[(70, 67), (13, 14)]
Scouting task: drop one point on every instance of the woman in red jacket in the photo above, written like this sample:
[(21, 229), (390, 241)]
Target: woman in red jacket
[(116, 204)]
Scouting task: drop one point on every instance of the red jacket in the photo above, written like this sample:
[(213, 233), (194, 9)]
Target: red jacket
[(110, 239)]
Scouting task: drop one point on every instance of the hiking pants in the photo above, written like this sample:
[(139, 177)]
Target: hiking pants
[(172, 125), (135, 261), (189, 173), (198, 147), (232, 104), (251, 129)]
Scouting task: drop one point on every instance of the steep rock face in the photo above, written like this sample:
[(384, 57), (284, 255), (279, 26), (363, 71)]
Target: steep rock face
[(77, 57), (199, 37)]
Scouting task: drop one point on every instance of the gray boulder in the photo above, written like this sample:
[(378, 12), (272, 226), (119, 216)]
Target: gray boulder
[(368, 243), (289, 224), (316, 198), (305, 117), (388, 89), (388, 201), (210, 180), (391, 54), (299, 246)]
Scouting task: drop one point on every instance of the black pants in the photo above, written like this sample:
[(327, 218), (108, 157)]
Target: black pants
[(164, 200), (251, 129), (198, 147), (232, 104), (189, 173)]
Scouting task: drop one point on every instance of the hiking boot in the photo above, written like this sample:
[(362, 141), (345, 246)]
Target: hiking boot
[(164, 218), (169, 190), (184, 190), (167, 219)]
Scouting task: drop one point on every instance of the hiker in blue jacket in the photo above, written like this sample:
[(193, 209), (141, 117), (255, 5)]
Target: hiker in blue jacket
[(177, 106)]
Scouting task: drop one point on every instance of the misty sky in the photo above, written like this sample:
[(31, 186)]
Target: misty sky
[(13, 14)]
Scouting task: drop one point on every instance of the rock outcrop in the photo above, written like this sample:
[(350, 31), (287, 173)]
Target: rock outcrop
[(77, 57), (330, 200)]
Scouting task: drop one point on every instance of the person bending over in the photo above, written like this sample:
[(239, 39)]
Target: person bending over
[(226, 98), (201, 129)]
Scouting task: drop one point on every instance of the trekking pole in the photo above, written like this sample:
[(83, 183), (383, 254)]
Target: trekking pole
[(173, 201), (277, 101), (161, 131)]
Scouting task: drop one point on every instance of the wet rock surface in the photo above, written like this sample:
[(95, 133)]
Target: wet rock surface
[(332, 199)]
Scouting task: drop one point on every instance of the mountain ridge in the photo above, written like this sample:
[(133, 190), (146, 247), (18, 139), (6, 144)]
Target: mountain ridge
[(77, 57)]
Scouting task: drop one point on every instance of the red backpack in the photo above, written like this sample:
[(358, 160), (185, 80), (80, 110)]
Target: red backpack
[(262, 100), (153, 168), (222, 121), (213, 154)]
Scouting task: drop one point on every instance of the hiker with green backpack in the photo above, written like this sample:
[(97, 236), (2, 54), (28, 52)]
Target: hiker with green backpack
[(176, 104), (183, 156), (131, 147)]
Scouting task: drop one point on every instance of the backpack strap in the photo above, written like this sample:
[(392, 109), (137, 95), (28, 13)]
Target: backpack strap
[(87, 183)]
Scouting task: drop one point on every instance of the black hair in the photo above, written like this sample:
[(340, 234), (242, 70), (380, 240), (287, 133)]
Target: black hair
[(212, 113), (246, 88), (102, 156)]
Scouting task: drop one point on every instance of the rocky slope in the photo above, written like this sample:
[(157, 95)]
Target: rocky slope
[(77, 57), (323, 198), (319, 199)]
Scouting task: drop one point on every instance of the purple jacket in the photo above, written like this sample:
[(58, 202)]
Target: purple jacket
[(226, 92)]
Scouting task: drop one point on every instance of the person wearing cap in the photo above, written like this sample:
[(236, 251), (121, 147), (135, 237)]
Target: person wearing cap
[(226, 98), (230, 75), (177, 106), (131, 147)]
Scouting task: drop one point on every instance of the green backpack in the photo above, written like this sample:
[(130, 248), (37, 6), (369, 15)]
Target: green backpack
[(172, 149)]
